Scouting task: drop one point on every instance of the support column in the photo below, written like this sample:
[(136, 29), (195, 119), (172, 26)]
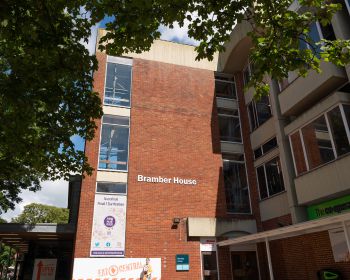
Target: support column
[(269, 258)]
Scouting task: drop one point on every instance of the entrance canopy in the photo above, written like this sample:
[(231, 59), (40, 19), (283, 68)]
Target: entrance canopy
[(291, 231), (19, 236)]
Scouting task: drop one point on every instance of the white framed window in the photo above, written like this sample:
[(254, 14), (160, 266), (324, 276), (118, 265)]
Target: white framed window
[(270, 178), (229, 125), (225, 87), (114, 144), (322, 140), (259, 112)]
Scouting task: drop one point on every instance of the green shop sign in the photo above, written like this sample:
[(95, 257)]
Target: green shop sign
[(329, 208)]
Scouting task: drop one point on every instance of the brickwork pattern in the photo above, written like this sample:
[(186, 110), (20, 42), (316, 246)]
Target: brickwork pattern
[(277, 222), (87, 197)]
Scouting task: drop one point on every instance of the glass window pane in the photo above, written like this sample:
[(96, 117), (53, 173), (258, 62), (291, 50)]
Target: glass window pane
[(105, 187), (315, 37), (269, 145), (230, 129), (340, 137), (225, 89), (257, 153), (252, 119), (318, 143), (114, 145), (263, 110), (118, 83), (274, 176), (347, 113), (298, 153), (236, 187), (262, 182)]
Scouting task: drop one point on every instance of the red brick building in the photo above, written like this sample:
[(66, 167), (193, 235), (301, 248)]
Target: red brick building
[(208, 183)]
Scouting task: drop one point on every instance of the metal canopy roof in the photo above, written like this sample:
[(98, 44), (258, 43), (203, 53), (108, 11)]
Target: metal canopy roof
[(18, 235), (290, 231)]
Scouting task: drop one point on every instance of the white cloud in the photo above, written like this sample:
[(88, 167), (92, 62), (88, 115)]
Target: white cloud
[(52, 193), (177, 34)]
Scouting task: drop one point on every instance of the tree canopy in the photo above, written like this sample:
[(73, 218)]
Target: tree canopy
[(36, 213), (46, 92)]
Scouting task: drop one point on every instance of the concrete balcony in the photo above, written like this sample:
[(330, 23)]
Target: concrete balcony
[(325, 182), (303, 92)]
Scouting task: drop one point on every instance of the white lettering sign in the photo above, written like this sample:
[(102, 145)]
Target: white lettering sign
[(164, 180)]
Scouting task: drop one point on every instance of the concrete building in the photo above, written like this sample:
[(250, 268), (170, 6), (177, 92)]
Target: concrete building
[(207, 183)]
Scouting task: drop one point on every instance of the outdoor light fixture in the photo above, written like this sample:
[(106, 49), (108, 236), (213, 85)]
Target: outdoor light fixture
[(176, 221)]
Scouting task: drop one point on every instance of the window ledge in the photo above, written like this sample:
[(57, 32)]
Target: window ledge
[(274, 195)]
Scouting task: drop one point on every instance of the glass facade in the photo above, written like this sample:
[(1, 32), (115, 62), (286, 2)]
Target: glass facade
[(118, 85), (236, 185), (114, 146)]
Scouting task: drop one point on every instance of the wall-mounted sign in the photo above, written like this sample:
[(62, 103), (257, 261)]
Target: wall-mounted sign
[(165, 180), (108, 230), (117, 268), (208, 244), (182, 262), (329, 208), (44, 269)]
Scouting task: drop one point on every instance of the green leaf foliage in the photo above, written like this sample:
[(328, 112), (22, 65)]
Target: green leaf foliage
[(36, 213), (46, 93)]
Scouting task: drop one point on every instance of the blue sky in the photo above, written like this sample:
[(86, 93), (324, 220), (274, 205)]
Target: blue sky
[(56, 192)]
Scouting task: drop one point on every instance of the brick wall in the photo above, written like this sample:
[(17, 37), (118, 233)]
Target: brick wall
[(88, 186), (274, 223), (173, 133), (302, 256)]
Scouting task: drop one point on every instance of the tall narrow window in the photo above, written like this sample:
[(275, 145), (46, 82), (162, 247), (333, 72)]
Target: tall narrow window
[(118, 83), (259, 112), (341, 140), (230, 129), (236, 186), (114, 143), (270, 178)]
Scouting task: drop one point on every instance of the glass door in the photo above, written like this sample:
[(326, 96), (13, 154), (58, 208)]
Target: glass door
[(244, 266), (210, 271)]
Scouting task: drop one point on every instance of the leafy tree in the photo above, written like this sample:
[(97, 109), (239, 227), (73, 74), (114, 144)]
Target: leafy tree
[(45, 71), (35, 213), (2, 221)]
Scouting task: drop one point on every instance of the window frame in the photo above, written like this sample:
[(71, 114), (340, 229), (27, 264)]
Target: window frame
[(112, 193), (266, 182), (260, 147), (325, 115), (231, 116), (255, 113), (105, 81), (99, 147), (218, 77), (246, 173)]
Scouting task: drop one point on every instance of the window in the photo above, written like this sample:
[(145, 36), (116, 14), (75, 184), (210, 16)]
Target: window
[(236, 186), (322, 140), (229, 124), (114, 143), (318, 143), (270, 178), (339, 246), (105, 187), (225, 88), (118, 84), (265, 148), (259, 112)]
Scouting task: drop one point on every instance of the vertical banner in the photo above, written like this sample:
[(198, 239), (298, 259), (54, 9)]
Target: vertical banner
[(108, 230), (44, 269), (117, 268)]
